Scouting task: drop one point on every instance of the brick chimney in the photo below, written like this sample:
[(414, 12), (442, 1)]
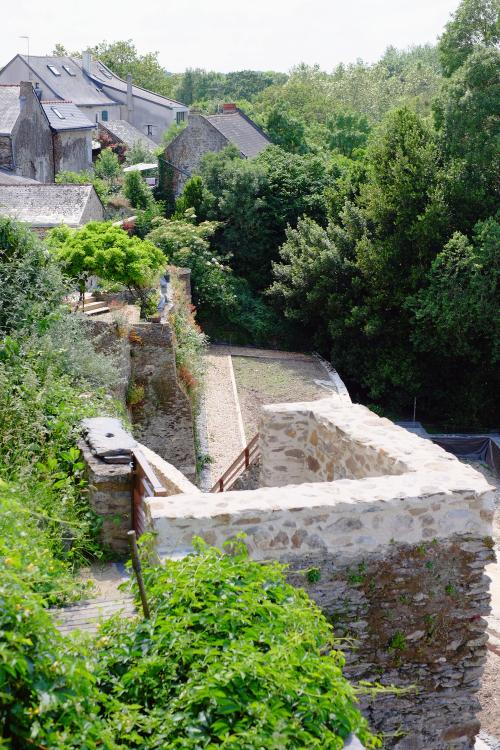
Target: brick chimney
[(228, 108), (87, 62)]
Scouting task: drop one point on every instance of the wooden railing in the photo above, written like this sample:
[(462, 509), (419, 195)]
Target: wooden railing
[(246, 458), (145, 483)]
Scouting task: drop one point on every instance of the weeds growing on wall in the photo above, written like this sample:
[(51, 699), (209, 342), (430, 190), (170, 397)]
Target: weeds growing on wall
[(190, 344)]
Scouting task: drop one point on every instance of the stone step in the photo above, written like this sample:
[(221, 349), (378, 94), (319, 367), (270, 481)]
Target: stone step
[(87, 615), (97, 310)]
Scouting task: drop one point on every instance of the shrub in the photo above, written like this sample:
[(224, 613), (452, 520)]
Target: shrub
[(190, 344), (233, 657), (136, 190), (32, 285)]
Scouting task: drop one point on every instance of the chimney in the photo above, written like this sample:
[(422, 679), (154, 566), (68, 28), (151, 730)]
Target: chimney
[(228, 108), (26, 99), (130, 100), (87, 62)]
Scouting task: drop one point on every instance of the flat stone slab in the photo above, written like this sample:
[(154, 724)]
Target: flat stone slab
[(107, 438)]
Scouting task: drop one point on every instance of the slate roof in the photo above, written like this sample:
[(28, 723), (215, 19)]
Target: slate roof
[(73, 118), (105, 77), (78, 88), (9, 108), (11, 178), (128, 134), (240, 130), (45, 205)]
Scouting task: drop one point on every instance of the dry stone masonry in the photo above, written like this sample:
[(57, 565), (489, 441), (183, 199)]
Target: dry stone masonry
[(390, 535)]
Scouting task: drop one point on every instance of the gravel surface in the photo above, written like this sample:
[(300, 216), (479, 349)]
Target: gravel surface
[(221, 414), (272, 380)]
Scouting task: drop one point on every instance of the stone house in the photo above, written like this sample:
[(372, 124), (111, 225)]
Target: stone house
[(25, 134), (47, 206), (71, 136), (96, 91), (122, 133), (205, 133)]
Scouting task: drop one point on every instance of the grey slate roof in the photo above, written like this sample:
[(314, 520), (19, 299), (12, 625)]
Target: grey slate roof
[(78, 88), (45, 205), (74, 119), (11, 178), (128, 134), (9, 108), (241, 131), (105, 77)]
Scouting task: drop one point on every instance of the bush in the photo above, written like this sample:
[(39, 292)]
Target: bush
[(32, 285), (137, 191)]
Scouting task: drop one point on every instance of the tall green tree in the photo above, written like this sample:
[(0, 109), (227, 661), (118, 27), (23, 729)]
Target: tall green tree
[(466, 116), (475, 24)]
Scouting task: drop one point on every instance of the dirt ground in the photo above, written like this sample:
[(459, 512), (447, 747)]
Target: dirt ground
[(265, 380)]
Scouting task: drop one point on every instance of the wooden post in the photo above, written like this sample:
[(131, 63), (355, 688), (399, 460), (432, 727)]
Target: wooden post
[(136, 564), (247, 458)]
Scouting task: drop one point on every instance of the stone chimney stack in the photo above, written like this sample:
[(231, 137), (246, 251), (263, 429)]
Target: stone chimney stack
[(27, 99), (87, 62), (130, 100)]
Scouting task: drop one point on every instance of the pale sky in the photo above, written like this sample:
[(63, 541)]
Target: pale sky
[(227, 35)]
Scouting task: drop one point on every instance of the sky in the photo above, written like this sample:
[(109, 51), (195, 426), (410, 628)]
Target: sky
[(228, 35)]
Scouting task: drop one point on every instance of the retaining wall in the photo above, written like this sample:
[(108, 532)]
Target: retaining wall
[(396, 532)]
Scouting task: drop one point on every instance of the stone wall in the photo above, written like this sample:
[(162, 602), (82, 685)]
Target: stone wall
[(110, 497), (72, 150), (185, 151), (162, 419), (32, 138), (389, 534)]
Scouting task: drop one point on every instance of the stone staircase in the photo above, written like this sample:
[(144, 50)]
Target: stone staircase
[(93, 306)]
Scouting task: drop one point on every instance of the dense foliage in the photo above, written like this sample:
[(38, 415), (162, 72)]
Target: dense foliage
[(107, 251), (232, 657), (50, 378)]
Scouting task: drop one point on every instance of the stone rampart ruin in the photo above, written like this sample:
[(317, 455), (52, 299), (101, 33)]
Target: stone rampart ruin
[(390, 535)]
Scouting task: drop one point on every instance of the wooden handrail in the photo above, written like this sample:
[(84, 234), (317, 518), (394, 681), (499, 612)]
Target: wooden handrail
[(145, 483), (246, 458)]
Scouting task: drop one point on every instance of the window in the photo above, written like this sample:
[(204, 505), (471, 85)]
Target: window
[(69, 71), (58, 113), (104, 115), (180, 117), (53, 70)]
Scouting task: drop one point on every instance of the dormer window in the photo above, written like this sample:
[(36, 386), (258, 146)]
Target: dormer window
[(58, 113), (69, 71), (53, 70)]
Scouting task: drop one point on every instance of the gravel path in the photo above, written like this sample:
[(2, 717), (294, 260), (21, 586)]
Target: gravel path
[(224, 428)]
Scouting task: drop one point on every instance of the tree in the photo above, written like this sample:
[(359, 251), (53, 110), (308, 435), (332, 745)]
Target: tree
[(285, 130), (139, 153), (348, 131), (136, 190), (104, 250), (192, 197), (107, 167), (475, 24), (466, 117), (32, 285), (122, 58)]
